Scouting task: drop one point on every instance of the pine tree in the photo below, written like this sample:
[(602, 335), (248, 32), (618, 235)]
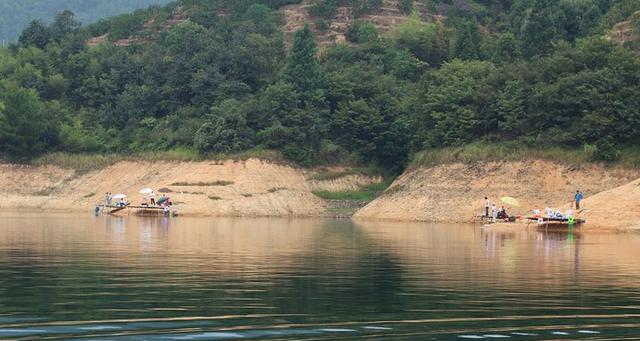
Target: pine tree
[(302, 70), (36, 34), (468, 41)]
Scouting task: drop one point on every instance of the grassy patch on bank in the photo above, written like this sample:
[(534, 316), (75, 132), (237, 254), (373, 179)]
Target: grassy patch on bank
[(84, 163), (203, 184), (365, 193), (328, 175), (628, 157)]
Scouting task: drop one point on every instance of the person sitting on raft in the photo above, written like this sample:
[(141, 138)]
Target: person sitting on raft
[(502, 213), (163, 201)]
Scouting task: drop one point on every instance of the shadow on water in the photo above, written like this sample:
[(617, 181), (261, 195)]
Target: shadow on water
[(158, 278)]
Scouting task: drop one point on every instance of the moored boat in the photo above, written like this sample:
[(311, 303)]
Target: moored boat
[(556, 223)]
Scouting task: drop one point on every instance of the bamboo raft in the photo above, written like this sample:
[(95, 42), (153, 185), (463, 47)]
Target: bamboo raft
[(555, 223), (138, 210)]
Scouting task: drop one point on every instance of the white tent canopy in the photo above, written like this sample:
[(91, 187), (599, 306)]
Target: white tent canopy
[(146, 191), (119, 196)]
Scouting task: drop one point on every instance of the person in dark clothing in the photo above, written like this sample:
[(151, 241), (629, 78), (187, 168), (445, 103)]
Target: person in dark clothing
[(502, 213), (578, 198)]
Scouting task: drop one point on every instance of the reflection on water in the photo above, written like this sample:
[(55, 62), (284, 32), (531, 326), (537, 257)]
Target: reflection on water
[(117, 278)]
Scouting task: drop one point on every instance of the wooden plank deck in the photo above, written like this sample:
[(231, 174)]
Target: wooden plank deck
[(150, 209), (555, 224), (115, 209), (557, 220)]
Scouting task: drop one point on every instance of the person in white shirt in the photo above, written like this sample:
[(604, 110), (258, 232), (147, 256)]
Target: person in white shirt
[(152, 198), (494, 212), (486, 207)]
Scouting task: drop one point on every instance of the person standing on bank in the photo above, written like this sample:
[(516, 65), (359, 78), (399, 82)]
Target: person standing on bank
[(152, 198), (486, 207), (578, 198)]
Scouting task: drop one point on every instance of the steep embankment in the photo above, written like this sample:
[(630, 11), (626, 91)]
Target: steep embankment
[(455, 192), (615, 209), (225, 188)]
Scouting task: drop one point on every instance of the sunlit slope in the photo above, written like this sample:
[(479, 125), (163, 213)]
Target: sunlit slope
[(617, 208), (455, 192), (221, 188)]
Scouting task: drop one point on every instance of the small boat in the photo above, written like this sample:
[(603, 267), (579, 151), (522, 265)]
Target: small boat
[(556, 223)]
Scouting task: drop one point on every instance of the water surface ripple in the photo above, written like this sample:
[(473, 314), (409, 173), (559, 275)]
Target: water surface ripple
[(69, 277)]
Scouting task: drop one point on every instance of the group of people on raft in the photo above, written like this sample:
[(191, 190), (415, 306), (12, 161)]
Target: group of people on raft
[(108, 199), (147, 200), (501, 213), (163, 201), (496, 213)]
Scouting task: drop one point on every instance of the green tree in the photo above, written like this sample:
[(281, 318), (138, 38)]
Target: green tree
[(36, 34), (294, 126), (429, 42), (510, 109), (26, 129), (362, 32), (468, 40), (537, 23), (507, 49), (230, 130), (63, 25), (453, 109), (303, 70)]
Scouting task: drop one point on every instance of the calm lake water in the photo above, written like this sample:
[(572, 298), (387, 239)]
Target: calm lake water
[(108, 278)]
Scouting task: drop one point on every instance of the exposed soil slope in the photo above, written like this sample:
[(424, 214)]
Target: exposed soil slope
[(626, 31), (455, 192), (616, 209), (229, 188), (385, 17)]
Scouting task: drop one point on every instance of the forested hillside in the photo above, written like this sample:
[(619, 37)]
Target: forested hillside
[(216, 77), (15, 15)]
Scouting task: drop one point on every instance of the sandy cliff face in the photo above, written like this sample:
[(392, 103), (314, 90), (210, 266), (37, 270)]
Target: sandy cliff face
[(617, 208), (455, 192), (231, 188)]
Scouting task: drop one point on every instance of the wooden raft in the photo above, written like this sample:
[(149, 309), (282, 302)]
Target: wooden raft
[(151, 209), (555, 222)]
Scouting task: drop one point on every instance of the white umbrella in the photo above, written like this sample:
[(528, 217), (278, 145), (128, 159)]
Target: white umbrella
[(146, 191), (119, 196)]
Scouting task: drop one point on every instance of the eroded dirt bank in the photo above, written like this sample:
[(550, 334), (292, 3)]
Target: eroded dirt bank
[(455, 192), (218, 188), (444, 193), (615, 209)]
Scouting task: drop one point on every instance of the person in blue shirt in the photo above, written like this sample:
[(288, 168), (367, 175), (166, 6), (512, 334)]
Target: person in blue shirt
[(578, 198)]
